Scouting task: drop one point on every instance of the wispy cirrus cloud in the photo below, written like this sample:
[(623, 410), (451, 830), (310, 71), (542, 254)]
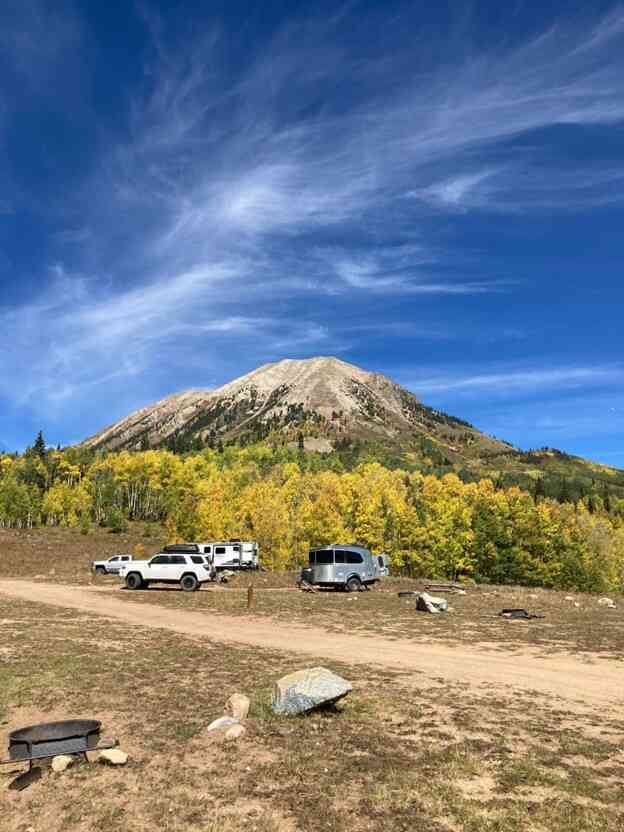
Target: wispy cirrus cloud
[(238, 197), (513, 382)]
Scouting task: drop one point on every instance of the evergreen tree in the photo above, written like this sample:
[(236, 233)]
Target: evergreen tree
[(564, 491), (540, 491), (39, 446), (300, 442)]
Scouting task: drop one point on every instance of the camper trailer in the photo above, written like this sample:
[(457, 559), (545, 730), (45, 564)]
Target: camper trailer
[(344, 566), (223, 554)]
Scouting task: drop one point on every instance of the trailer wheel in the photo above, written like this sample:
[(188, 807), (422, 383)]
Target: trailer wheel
[(134, 581), (189, 583), (353, 585)]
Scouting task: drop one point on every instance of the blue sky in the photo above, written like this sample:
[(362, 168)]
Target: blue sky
[(189, 190)]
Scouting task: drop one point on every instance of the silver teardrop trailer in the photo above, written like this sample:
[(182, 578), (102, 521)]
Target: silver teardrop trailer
[(344, 566)]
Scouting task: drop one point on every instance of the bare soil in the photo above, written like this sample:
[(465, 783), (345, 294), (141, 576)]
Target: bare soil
[(402, 752), (580, 683)]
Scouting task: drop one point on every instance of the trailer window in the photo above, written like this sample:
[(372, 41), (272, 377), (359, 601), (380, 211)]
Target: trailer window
[(380, 561), (219, 550), (325, 557), (354, 557)]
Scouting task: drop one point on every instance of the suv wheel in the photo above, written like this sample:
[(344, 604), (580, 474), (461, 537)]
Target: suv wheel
[(353, 585), (134, 581), (189, 583), (99, 570)]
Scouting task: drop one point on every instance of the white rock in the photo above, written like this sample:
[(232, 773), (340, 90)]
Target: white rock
[(429, 603), (113, 756), (61, 762), (238, 705), (222, 722), (303, 690), (569, 598), (235, 732), (606, 602)]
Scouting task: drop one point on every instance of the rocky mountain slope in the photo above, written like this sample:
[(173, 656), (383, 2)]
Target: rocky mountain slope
[(325, 399)]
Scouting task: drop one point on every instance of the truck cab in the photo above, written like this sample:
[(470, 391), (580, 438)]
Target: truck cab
[(111, 566)]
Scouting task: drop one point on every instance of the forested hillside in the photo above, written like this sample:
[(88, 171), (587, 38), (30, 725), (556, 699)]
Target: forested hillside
[(289, 500)]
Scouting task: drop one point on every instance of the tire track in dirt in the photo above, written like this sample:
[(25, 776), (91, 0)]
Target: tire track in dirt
[(580, 684)]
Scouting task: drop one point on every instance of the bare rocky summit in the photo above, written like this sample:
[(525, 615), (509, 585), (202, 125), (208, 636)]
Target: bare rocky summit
[(325, 399)]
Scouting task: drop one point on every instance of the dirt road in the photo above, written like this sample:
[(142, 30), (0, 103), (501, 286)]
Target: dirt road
[(578, 683)]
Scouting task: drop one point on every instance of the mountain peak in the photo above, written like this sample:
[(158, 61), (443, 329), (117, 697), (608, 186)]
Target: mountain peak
[(323, 397)]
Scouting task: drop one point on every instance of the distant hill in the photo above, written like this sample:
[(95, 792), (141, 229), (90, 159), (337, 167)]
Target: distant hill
[(328, 404)]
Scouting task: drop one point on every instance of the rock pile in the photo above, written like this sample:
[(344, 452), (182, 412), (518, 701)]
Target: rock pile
[(238, 705)]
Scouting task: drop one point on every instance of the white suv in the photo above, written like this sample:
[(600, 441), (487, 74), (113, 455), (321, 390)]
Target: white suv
[(190, 571)]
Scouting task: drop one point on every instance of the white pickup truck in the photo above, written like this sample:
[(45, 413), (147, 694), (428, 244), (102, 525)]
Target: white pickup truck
[(190, 571), (110, 566)]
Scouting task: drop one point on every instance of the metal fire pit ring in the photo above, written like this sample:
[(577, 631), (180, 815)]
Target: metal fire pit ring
[(36, 742), (72, 736)]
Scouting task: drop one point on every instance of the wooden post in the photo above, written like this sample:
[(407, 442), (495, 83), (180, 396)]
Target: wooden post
[(250, 597)]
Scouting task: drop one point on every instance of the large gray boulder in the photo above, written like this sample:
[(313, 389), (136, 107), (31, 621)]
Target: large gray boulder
[(429, 603), (307, 689)]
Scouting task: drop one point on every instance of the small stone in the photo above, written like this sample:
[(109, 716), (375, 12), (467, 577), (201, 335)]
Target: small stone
[(235, 732), (569, 598), (222, 722), (238, 705), (113, 756), (61, 762), (303, 690), (607, 602)]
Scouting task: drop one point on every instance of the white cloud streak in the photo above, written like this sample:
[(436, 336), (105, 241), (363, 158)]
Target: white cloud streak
[(518, 381), (213, 218)]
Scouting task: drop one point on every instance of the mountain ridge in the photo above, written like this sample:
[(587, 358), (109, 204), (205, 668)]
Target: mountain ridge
[(331, 407), (322, 395)]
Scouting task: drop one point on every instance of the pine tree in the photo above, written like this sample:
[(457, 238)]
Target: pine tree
[(39, 446), (540, 491), (300, 442), (564, 493)]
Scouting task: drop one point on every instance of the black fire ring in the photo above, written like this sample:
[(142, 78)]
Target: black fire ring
[(37, 742)]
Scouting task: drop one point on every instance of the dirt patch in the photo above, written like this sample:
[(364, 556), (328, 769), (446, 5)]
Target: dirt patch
[(400, 753), (579, 684)]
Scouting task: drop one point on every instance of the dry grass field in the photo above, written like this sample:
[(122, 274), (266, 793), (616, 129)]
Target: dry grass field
[(579, 625), (402, 752), (393, 756)]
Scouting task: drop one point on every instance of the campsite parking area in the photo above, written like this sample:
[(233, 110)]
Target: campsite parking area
[(416, 746)]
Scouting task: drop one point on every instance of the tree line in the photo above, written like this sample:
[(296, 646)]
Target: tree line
[(289, 500)]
